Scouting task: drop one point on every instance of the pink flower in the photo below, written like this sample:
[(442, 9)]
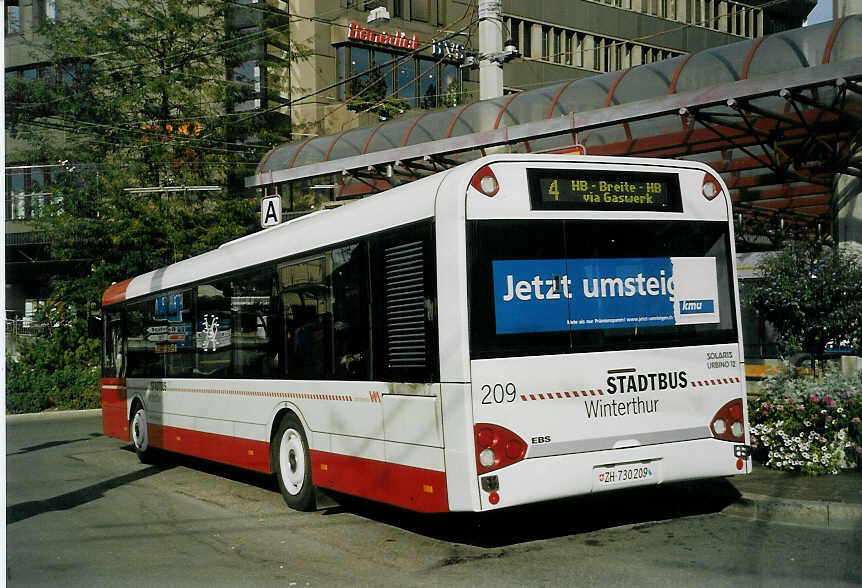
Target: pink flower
[(851, 402), (831, 403), (855, 420), (814, 399), (779, 407), (859, 450)]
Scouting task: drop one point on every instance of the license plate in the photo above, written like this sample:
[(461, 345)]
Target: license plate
[(627, 474)]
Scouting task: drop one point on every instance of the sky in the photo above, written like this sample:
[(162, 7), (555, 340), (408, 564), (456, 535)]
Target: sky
[(822, 12)]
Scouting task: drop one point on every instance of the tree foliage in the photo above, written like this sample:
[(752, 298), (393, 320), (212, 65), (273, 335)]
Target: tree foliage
[(134, 94), (138, 97), (57, 371), (812, 293)]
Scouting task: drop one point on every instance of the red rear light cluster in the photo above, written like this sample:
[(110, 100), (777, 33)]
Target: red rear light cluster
[(711, 186), (728, 424), (485, 181), (496, 447)]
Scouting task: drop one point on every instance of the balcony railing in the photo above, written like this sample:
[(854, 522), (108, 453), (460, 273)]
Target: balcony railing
[(27, 238), (25, 327)]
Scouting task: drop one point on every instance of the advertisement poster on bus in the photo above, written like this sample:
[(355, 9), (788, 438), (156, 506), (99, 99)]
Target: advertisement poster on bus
[(544, 295)]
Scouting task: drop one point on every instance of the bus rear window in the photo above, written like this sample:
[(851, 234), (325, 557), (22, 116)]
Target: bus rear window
[(563, 286)]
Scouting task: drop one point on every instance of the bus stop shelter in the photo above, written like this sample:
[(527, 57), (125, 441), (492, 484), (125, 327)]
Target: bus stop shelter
[(779, 117)]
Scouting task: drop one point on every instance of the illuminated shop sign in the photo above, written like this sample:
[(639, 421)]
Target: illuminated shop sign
[(398, 39)]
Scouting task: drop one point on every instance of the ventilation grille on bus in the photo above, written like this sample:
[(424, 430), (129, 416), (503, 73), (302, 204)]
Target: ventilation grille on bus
[(405, 306)]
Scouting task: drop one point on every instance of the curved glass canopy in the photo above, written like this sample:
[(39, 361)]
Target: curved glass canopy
[(825, 43)]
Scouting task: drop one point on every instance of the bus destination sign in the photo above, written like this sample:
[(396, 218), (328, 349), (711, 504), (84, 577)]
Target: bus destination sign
[(597, 190)]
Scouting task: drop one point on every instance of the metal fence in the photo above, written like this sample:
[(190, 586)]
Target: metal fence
[(25, 327)]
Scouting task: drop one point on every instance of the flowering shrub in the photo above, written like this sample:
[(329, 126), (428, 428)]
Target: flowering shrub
[(808, 425)]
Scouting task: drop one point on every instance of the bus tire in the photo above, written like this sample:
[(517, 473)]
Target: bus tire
[(140, 434), (292, 464)]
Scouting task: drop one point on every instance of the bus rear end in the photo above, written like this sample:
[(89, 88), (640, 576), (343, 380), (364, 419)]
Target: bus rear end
[(604, 336)]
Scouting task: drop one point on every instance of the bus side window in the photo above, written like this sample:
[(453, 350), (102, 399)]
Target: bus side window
[(350, 312), (112, 349), (143, 359), (254, 315), (213, 329), (176, 335), (306, 296)]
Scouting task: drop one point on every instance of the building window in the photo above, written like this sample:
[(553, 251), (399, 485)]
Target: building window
[(514, 31), (398, 8), (528, 40), (557, 49), (419, 10), (428, 84), (13, 17), (569, 37), (46, 11), (406, 80), (380, 74), (597, 57), (449, 85), (28, 191), (246, 77), (441, 12), (546, 42)]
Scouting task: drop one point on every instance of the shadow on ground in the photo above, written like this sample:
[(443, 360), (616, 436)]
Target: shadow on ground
[(521, 524), (547, 520)]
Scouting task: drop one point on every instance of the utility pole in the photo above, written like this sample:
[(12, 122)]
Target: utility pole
[(490, 44)]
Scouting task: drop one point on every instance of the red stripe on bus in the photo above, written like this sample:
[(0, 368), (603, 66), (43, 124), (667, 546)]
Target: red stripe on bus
[(115, 293), (235, 451), (115, 421), (413, 488)]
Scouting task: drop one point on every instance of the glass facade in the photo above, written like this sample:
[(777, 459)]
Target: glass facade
[(376, 74)]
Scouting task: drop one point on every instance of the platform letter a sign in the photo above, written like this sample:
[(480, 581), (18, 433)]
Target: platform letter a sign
[(270, 211)]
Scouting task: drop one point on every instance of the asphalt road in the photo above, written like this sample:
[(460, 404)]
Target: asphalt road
[(82, 511)]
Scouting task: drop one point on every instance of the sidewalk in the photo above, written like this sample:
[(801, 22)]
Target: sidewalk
[(788, 497)]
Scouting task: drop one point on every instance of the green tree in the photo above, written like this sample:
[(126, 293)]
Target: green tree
[(812, 293), (138, 97)]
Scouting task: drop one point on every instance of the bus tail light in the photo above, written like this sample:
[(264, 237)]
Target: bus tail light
[(485, 181), (496, 447), (711, 186), (727, 424)]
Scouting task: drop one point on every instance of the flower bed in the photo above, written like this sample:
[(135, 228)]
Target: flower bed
[(809, 425)]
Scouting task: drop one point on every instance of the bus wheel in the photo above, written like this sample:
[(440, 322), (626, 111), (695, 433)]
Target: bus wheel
[(140, 435), (292, 464)]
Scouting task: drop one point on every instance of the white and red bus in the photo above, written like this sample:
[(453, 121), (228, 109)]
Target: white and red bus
[(515, 329)]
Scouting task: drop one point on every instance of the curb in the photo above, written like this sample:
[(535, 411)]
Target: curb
[(808, 513), (58, 414)]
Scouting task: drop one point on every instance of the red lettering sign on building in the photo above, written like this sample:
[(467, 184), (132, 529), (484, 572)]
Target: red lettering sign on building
[(398, 39)]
